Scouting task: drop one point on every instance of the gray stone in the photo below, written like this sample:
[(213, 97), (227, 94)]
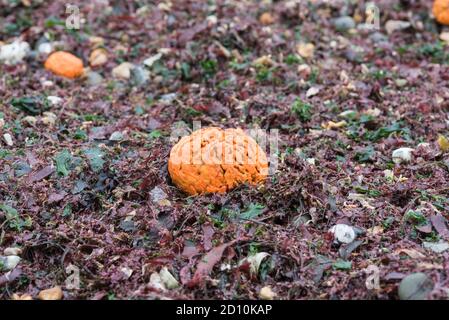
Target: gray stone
[(94, 78), (415, 286), (139, 76), (344, 23), (396, 25), (377, 37), (116, 136), (168, 98), (437, 247)]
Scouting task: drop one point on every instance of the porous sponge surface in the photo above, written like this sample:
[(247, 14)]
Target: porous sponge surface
[(216, 160)]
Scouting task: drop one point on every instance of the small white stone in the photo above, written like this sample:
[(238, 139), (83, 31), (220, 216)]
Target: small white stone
[(49, 118), (444, 36), (225, 267), (165, 50), (151, 60), (8, 139), (343, 233), (12, 251), (375, 112), (389, 175), (313, 91), (127, 272), (54, 100), (396, 25), (266, 293), (168, 98), (212, 20), (45, 48), (14, 53), (402, 155), (116, 136), (123, 71), (167, 279), (348, 114), (311, 161), (29, 119), (304, 68), (47, 83), (9, 262), (305, 50), (255, 261), (437, 247), (156, 282)]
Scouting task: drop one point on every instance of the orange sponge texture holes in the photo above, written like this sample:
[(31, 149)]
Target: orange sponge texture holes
[(441, 11), (215, 160), (64, 64)]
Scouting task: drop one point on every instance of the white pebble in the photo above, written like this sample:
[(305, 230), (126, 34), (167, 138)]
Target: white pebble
[(54, 100), (8, 139), (45, 48), (151, 60), (12, 251), (123, 71), (9, 262), (14, 53), (343, 233), (266, 293), (402, 155), (313, 91)]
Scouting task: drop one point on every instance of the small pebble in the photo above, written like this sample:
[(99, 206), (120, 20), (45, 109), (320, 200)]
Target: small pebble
[(94, 78), (8, 139), (123, 71), (54, 100), (139, 76), (343, 233), (344, 23), (116, 136), (305, 50), (402, 155), (45, 48), (266, 293), (396, 25), (14, 53), (415, 286), (51, 294), (98, 57), (24, 296), (12, 251), (8, 263), (151, 60)]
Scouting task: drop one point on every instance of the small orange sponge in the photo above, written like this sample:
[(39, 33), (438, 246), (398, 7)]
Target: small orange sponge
[(64, 64), (215, 160), (440, 10)]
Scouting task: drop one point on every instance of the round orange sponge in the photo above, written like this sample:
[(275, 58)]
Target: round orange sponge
[(440, 10), (215, 160), (64, 64)]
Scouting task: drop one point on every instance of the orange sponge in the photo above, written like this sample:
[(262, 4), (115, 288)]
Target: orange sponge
[(215, 160), (440, 10), (64, 64)]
